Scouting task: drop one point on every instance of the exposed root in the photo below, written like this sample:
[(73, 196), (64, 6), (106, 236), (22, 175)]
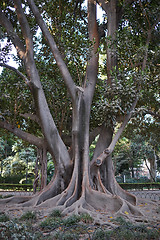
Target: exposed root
[(99, 205), (15, 200), (125, 195), (128, 209)]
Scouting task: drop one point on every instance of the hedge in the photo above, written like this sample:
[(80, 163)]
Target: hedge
[(126, 186), (140, 186), (16, 187)]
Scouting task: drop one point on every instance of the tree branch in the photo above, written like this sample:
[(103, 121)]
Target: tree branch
[(21, 134), (94, 134), (103, 4), (12, 35), (92, 67), (110, 149), (31, 116), (147, 43), (61, 64), (24, 26), (17, 71), (153, 114)]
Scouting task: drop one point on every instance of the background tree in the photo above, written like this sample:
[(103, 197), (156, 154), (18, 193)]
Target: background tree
[(6, 149), (78, 183)]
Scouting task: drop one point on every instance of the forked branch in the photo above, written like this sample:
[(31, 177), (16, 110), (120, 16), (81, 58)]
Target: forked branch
[(110, 149)]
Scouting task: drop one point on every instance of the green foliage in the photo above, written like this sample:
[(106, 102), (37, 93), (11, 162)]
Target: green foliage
[(3, 217), (18, 160), (140, 186), (12, 230), (14, 187), (130, 153), (56, 229), (51, 223), (72, 220), (127, 230), (66, 236), (127, 154), (50, 169), (100, 235), (86, 218), (56, 213), (30, 215)]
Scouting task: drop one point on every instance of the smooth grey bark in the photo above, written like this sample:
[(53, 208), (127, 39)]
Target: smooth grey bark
[(54, 142), (61, 64)]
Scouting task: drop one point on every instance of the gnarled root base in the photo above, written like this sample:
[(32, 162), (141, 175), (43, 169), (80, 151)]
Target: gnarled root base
[(97, 204)]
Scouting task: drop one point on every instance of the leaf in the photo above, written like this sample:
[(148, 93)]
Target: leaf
[(126, 212)]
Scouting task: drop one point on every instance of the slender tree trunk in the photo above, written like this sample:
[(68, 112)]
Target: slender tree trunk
[(43, 168), (153, 167), (132, 170), (36, 172)]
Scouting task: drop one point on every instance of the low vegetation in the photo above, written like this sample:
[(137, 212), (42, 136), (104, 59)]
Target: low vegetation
[(57, 226)]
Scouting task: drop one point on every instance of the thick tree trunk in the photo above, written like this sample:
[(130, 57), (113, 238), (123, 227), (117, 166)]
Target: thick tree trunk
[(77, 186), (153, 167)]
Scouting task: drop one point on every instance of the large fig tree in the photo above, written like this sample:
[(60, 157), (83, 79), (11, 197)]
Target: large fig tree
[(101, 102)]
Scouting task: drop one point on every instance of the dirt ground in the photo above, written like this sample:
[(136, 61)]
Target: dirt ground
[(149, 208)]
